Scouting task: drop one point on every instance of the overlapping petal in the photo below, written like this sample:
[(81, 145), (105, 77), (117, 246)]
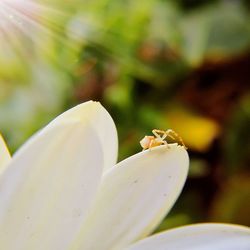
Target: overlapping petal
[(4, 155), (51, 181), (134, 197), (205, 236), (103, 124)]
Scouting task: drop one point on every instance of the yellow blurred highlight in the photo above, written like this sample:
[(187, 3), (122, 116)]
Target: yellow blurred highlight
[(197, 132)]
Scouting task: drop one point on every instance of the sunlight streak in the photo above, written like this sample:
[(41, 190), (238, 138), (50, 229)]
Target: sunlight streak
[(30, 30), (27, 26)]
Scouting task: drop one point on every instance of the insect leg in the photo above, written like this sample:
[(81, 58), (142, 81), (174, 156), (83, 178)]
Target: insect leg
[(157, 133), (175, 136)]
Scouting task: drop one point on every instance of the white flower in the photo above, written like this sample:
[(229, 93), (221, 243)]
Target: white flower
[(62, 190)]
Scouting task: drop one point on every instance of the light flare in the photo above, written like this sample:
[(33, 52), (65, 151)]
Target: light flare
[(28, 27)]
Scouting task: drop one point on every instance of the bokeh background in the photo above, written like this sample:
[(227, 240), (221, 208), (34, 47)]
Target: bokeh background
[(181, 64)]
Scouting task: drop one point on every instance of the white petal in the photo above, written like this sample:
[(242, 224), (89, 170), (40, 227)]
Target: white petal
[(102, 123), (198, 237), (134, 197), (47, 188), (4, 155)]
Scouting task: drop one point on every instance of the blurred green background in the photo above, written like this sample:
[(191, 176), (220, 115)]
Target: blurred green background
[(162, 64)]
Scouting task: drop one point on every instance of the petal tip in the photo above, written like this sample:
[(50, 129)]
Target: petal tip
[(171, 148)]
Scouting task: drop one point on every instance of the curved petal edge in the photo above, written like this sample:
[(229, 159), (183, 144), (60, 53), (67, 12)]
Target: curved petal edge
[(103, 124), (199, 237), (134, 197)]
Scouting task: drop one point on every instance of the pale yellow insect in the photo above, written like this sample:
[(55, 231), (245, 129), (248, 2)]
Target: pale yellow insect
[(159, 138)]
